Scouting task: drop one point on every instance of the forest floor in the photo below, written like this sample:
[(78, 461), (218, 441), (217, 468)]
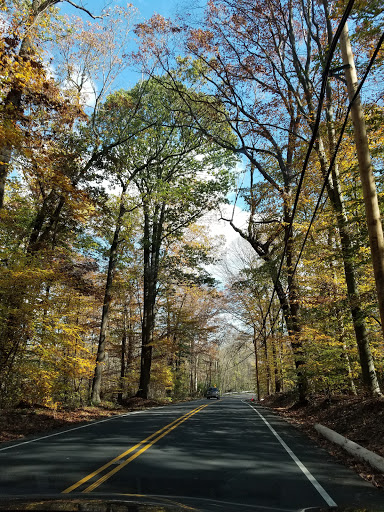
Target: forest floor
[(360, 419), (26, 419)]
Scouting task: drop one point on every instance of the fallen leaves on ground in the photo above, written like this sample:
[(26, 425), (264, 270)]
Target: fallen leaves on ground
[(26, 419)]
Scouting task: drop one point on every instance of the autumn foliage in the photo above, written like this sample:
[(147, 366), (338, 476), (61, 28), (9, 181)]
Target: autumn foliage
[(105, 255)]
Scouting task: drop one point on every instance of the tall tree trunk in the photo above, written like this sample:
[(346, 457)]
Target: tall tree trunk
[(336, 198), (148, 315), (131, 341), (267, 365), (123, 355), (290, 307), (196, 366), (100, 357), (152, 245), (294, 327), (276, 368), (335, 195), (277, 374), (358, 317), (192, 369), (346, 358), (372, 210), (256, 363)]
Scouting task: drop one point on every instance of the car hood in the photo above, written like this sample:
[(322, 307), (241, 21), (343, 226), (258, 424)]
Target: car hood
[(141, 503), (120, 504)]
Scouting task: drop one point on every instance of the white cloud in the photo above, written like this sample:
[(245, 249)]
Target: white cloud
[(83, 85), (217, 226)]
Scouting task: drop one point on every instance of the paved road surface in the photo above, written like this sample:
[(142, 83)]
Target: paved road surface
[(214, 455)]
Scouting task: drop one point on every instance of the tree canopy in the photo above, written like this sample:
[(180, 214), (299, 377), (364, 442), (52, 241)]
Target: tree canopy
[(105, 249)]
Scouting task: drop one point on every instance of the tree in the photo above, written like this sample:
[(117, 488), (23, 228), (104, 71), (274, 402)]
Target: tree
[(114, 249), (169, 165), (252, 69), (25, 79), (248, 292), (226, 70), (189, 309), (374, 223), (55, 126)]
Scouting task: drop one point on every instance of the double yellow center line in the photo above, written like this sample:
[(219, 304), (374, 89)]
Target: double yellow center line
[(141, 447)]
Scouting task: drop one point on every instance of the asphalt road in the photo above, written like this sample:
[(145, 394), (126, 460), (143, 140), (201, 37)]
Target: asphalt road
[(224, 455)]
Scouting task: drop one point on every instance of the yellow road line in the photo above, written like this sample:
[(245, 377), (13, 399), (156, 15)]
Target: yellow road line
[(142, 450), (108, 464)]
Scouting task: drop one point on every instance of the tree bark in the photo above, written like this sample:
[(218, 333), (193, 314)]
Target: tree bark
[(151, 249), (101, 352), (267, 365), (337, 201), (256, 363), (372, 210), (276, 368), (123, 356), (288, 303)]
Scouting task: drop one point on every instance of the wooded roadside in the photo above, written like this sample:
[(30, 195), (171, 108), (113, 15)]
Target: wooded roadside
[(26, 420)]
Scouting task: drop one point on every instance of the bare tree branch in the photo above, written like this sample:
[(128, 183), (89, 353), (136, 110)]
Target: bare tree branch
[(84, 9)]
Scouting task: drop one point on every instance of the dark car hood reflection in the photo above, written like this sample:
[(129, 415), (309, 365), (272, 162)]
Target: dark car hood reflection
[(141, 503)]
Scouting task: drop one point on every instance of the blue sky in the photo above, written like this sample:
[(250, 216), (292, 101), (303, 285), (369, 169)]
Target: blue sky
[(145, 7)]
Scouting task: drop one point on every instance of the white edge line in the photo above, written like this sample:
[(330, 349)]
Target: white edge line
[(78, 428), (323, 493)]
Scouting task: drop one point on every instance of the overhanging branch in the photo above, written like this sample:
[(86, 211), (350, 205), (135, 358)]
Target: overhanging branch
[(83, 9)]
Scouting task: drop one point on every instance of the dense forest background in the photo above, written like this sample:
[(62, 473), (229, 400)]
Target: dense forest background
[(105, 192)]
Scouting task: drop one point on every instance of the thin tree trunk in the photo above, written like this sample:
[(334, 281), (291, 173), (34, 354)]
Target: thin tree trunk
[(276, 368), (192, 371), (148, 316), (123, 358), (256, 363), (276, 374), (348, 365), (340, 325), (294, 327), (101, 352), (267, 366), (196, 369)]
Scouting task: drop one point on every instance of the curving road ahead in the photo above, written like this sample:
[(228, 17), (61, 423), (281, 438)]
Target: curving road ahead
[(225, 455)]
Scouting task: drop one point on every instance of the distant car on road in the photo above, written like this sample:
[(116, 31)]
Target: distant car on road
[(213, 393)]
